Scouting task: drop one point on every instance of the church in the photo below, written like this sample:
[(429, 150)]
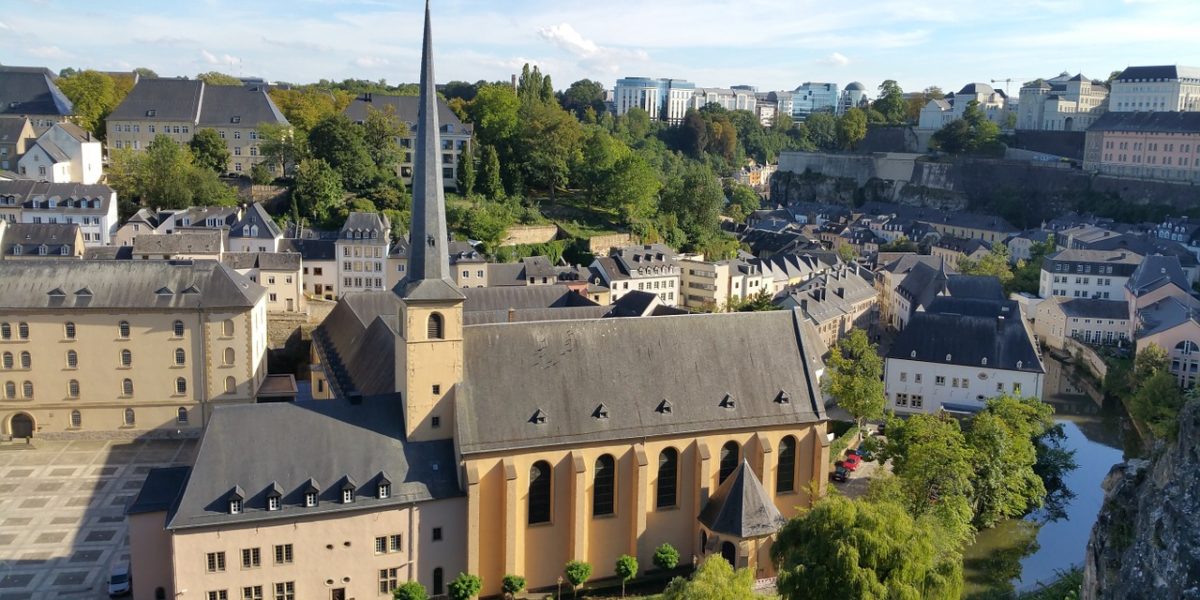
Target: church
[(440, 443)]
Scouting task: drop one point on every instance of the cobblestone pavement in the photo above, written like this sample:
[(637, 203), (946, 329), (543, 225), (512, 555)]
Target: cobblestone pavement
[(62, 512)]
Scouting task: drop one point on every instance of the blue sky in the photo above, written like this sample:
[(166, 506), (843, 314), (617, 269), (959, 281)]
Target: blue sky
[(771, 44)]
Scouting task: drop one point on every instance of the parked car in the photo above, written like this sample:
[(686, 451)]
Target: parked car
[(120, 581), (840, 474), (863, 453), (852, 462)]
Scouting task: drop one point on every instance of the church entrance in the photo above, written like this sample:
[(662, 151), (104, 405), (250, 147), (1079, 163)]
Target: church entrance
[(21, 426), (729, 553)]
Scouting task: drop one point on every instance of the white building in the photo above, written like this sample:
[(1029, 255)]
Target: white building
[(665, 99), (1062, 103), (92, 207), (712, 284), (1099, 274), (956, 360), (938, 113), (729, 99), (1156, 88), (65, 153), (362, 251), (649, 268), (256, 231)]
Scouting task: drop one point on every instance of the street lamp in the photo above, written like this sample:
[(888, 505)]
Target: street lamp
[(558, 593)]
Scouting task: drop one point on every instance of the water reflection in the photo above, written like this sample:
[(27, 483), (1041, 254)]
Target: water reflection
[(1021, 553)]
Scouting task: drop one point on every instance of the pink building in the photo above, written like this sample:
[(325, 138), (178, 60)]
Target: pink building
[(1148, 145)]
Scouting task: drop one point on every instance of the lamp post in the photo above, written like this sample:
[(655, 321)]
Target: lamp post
[(558, 593)]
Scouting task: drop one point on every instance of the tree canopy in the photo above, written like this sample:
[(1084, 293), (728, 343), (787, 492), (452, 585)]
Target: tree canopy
[(166, 175), (974, 133), (714, 579), (209, 150), (855, 377), (218, 78)]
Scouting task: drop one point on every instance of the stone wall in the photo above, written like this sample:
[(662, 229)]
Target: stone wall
[(599, 245), (530, 234)]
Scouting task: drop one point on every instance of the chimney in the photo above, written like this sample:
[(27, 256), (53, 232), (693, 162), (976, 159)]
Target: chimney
[(512, 314)]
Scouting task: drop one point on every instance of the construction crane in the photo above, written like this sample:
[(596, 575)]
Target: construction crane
[(1010, 80)]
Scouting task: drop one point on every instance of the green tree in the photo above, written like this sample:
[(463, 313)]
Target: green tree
[(599, 154), (488, 222), (847, 253), (217, 78), (577, 572), (166, 176), (715, 579), (550, 145), (1027, 275), (666, 557), (900, 244), (851, 128), (822, 130), (626, 568), (855, 377), (490, 184), (465, 180), (382, 130), (494, 114), (410, 590), (891, 103), (305, 106), (261, 175), (743, 200), (852, 550), (762, 301), (993, 264), (693, 198), (512, 585), (280, 146), (1002, 438), (637, 123), (933, 466), (1151, 359), (974, 133), (465, 586), (343, 146), (209, 150), (94, 95), (317, 192), (581, 95), (632, 186), (1157, 402)]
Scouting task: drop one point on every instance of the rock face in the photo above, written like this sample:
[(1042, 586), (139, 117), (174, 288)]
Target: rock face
[(1146, 541)]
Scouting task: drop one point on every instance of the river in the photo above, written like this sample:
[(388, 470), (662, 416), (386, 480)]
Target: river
[(1019, 554)]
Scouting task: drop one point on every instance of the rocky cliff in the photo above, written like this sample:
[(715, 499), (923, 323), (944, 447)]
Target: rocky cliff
[(1146, 541)]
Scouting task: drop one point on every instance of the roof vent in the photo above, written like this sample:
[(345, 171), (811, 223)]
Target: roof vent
[(56, 292), (727, 401), (664, 407), (912, 354), (947, 358), (984, 362), (783, 398), (1020, 363), (538, 418), (191, 289), (601, 412)]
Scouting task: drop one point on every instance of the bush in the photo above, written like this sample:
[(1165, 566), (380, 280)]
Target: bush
[(842, 442), (465, 586), (577, 573), (410, 590), (666, 557), (626, 569), (512, 584)]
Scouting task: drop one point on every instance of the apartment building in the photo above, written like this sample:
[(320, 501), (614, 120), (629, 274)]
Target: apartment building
[(455, 135), (664, 99), (92, 207), (953, 249), (648, 268), (64, 153), (1088, 320), (1062, 103), (836, 302), (1148, 145), (1163, 88), (31, 93), (714, 284), (24, 241), (135, 346), (938, 113), (281, 273), (16, 134), (727, 98), (177, 108), (1099, 274), (197, 244), (362, 251), (319, 265)]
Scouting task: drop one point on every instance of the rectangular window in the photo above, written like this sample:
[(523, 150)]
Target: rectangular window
[(381, 545), (901, 399), (285, 590), (939, 380), (903, 377), (917, 401), (283, 554), (394, 542), (215, 562), (218, 595), (917, 378), (389, 579), (437, 534), (251, 558), (252, 592)]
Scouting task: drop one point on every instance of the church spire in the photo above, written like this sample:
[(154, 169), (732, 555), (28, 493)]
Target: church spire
[(429, 258)]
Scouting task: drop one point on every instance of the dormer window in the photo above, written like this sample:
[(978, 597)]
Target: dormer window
[(235, 120), (235, 506), (152, 113), (310, 499), (384, 491), (347, 495), (16, 250), (272, 502)]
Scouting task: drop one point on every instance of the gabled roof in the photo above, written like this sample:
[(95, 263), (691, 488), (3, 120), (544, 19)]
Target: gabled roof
[(257, 218), (161, 100), (741, 507), (1092, 308), (311, 249), (32, 236), (160, 491), (196, 241), (405, 108), (1155, 272), (36, 195), (968, 340), (31, 91), (263, 261), (1166, 314), (234, 105), (365, 224), (123, 284), (981, 287), (51, 149), (11, 129)]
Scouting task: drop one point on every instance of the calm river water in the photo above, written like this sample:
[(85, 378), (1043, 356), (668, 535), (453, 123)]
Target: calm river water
[(1019, 554)]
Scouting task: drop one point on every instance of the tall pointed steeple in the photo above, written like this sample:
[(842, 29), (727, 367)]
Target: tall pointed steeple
[(428, 275)]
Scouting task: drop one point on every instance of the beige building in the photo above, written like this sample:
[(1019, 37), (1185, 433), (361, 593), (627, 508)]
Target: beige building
[(1087, 320), (1147, 145), (650, 268), (178, 108), (1161, 88), (25, 241), (16, 133), (1062, 103), (102, 346), (953, 249), (281, 273), (497, 448), (712, 284), (836, 303), (362, 250)]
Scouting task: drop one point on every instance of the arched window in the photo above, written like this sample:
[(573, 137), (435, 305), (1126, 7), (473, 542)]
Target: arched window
[(27, 389), (73, 388), (5, 331), (123, 329), (69, 330), (177, 328), (438, 582), (435, 327), (539, 492), (668, 479), (180, 385), (26, 360), (76, 419), (180, 356), (8, 360), (729, 460), (230, 385), (10, 390), (228, 356), (785, 478), (227, 328), (603, 486), (127, 387), (72, 359), (126, 358), (23, 330), (1187, 347), (181, 415)]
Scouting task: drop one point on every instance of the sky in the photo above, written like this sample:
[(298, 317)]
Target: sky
[(773, 45)]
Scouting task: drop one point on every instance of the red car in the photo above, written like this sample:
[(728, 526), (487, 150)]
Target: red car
[(852, 462)]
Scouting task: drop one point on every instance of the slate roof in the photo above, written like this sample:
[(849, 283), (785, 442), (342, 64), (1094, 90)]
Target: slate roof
[(981, 287), (365, 226), (108, 253), (1158, 72), (1155, 272), (974, 307), (11, 128), (1124, 262), (968, 340), (181, 242), (101, 284), (1148, 122), (161, 100), (1093, 308), (232, 105), (160, 490), (921, 284), (741, 507), (32, 236), (1168, 313), (263, 261), (31, 91), (565, 369), (326, 441), (36, 195), (311, 249), (256, 216), (976, 88), (966, 246), (405, 108), (484, 299), (52, 150)]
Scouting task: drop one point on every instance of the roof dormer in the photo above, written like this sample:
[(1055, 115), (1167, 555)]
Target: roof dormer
[(235, 498)]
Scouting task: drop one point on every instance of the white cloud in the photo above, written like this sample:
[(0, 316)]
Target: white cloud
[(371, 62), (837, 59), (49, 52), (224, 59), (593, 57), (5, 26), (566, 37)]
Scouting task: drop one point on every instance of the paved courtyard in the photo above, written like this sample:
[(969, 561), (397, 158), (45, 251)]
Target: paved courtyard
[(62, 523)]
